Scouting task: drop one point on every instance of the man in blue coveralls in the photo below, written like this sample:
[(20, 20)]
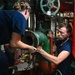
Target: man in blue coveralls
[(64, 50), (12, 28)]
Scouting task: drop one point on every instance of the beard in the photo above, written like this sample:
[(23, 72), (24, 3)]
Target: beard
[(62, 40)]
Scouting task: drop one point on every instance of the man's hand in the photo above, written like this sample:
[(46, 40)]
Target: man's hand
[(39, 49), (32, 49)]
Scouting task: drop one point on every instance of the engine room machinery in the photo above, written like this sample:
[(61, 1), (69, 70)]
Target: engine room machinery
[(39, 23)]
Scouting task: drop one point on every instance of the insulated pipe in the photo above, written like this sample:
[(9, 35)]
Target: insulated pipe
[(37, 38), (43, 40)]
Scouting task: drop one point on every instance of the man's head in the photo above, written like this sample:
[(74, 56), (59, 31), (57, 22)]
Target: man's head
[(23, 7), (64, 31)]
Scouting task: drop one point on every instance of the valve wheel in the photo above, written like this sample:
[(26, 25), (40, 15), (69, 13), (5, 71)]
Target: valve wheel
[(48, 5)]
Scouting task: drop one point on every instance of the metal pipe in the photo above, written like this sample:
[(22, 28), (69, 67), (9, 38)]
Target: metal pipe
[(37, 38), (29, 22)]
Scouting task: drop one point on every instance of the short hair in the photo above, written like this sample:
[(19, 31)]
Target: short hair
[(21, 5), (67, 26)]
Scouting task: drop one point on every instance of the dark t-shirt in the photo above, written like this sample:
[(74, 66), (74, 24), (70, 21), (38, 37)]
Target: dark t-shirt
[(64, 67), (11, 21)]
